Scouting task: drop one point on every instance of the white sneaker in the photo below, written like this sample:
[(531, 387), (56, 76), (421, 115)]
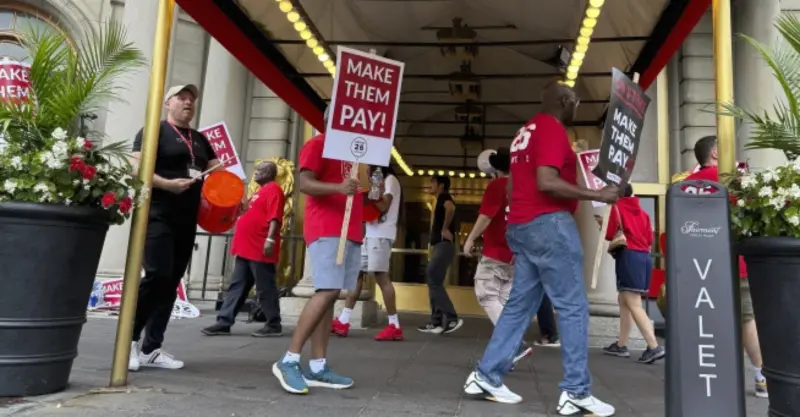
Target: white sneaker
[(587, 406), (160, 359), (133, 359), (475, 385)]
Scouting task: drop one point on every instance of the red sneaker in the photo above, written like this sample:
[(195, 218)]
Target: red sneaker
[(340, 329), (389, 333)]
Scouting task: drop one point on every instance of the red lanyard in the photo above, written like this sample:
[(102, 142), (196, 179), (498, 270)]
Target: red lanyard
[(187, 142)]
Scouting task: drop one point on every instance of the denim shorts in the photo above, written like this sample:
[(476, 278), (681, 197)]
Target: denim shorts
[(325, 274), (634, 269)]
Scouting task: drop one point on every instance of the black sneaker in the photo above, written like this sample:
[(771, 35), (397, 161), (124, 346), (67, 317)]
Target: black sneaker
[(431, 328), (452, 325), (550, 341), (615, 349), (267, 331), (652, 355), (217, 329)]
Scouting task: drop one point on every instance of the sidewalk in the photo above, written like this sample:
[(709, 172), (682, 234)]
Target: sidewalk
[(419, 377)]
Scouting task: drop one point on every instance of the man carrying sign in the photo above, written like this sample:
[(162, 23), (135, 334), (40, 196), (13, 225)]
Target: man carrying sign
[(326, 183), (548, 257)]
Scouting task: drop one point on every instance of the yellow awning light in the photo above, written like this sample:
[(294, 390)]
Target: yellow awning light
[(440, 172), (285, 6), (472, 175), (592, 12), (431, 172), (320, 51), (452, 173), (584, 38), (420, 172), (462, 175)]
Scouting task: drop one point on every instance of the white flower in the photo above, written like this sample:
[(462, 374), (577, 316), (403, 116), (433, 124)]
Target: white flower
[(44, 190), (10, 186), (80, 143), (144, 192), (765, 192), (67, 202), (60, 150), (794, 220), (768, 175), (748, 181), (740, 203), (777, 202), (59, 134), (16, 162), (51, 160)]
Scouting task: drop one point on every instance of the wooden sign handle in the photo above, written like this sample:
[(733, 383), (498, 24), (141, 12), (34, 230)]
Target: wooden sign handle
[(348, 208), (601, 240)]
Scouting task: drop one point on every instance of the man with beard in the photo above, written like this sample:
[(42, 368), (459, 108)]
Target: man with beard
[(183, 154), (544, 237)]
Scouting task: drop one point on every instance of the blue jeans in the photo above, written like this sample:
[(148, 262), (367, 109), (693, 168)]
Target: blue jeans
[(549, 259)]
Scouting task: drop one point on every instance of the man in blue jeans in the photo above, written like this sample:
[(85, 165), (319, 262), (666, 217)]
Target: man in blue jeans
[(548, 257)]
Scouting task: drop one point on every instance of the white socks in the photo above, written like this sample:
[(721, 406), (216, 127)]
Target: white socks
[(394, 320), (317, 365), (759, 375), (344, 318), (290, 357)]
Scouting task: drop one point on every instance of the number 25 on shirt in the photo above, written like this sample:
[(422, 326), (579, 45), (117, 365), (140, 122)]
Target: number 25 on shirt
[(523, 138)]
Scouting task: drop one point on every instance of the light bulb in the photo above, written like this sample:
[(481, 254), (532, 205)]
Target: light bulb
[(596, 3), (300, 26), (318, 50), (483, 174), (583, 40), (570, 83), (306, 35), (313, 42), (293, 16), (462, 175), (581, 48), (451, 173), (285, 6), (323, 57), (572, 75), (472, 175), (592, 12), (586, 31), (329, 64), (578, 55), (430, 172), (421, 172), (573, 68), (440, 172), (589, 22)]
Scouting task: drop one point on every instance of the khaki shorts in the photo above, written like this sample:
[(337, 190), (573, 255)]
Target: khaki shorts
[(493, 281), (747, 302), (376, 254)]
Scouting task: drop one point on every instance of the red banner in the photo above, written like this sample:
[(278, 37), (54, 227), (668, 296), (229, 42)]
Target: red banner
[(15, 83)]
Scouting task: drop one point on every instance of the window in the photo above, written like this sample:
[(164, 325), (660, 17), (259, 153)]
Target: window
[(14, 19)]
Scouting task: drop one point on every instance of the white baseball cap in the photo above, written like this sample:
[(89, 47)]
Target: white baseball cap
[(176, 89)]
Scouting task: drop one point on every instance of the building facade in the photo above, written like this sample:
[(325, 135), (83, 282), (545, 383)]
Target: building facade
[(263, 126)]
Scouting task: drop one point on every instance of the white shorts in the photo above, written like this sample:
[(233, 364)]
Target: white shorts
[(376, 254)]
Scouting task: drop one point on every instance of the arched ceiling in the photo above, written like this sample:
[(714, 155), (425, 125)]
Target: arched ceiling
[(517, 40)]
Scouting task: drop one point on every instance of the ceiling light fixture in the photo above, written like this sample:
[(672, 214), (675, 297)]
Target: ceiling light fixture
[(326, 58)]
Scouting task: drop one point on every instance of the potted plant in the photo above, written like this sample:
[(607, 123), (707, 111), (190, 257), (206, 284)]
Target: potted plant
[(765, 213), (59, 192)]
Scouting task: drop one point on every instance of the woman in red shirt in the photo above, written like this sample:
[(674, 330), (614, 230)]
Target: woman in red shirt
[(634, 267)]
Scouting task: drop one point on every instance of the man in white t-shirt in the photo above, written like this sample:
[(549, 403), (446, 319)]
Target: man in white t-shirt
[(376, 256)]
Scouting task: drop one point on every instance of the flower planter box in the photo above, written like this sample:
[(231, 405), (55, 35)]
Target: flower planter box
[(48, 260)]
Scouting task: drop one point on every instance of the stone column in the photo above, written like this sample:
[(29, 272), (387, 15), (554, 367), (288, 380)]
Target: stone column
[(224, 99), (755, 87), (126, 118)]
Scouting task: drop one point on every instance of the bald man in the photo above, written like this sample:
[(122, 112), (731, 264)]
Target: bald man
[(256, 246), (548, 257)]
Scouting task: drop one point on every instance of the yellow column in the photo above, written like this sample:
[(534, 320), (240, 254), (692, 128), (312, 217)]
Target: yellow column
[(662, 88), (723, 69), (133, 264)]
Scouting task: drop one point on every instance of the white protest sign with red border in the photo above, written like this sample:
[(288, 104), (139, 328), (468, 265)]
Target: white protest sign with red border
[(220, 140), (363, 111), (588, 161)]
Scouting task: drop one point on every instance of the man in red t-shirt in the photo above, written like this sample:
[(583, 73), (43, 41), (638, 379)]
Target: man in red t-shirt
[(705, 150), (256, 246), (548, 257), (327, 183), (495, 271)]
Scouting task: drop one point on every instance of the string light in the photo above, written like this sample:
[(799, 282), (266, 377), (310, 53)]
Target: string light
[(591, 14), (294, 17)]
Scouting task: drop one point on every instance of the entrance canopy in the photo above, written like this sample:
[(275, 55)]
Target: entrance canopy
[(474, 68)]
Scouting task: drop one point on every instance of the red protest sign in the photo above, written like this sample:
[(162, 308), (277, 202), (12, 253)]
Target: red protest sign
[(221, 142), (363, 110), (15, 83), (588, 160)]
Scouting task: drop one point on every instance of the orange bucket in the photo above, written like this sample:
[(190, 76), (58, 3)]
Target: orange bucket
[(220, 202)]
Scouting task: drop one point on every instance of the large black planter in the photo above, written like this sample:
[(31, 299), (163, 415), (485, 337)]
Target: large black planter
[(48, 260), (773, 266)]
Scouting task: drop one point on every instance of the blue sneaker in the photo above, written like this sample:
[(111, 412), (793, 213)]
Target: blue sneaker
[(327, 379), (290, 376)]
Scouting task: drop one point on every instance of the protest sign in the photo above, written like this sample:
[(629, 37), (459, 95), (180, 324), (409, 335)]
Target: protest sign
[(363, 110), (220, 140), (110, 298), (15, 83), (588, 161), (622, 131)]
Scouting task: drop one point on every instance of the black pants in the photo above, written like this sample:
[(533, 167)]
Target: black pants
[(167, 251), (442, 308), (547, 319), (245, 274)]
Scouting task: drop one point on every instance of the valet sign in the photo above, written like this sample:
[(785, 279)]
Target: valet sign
[(363, 110)]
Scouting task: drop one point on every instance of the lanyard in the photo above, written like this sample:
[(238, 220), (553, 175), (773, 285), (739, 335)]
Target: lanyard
[(187, 142)]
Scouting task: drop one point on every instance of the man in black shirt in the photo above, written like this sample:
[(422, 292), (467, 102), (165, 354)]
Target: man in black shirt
[(444, 319), (183, 153)]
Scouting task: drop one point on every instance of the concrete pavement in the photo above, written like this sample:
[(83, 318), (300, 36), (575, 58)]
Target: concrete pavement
[(229, 376)]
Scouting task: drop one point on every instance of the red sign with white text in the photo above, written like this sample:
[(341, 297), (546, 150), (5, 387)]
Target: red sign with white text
[(588, 161), (363, 110), (221, 142), (15, 83), (112, 293)]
